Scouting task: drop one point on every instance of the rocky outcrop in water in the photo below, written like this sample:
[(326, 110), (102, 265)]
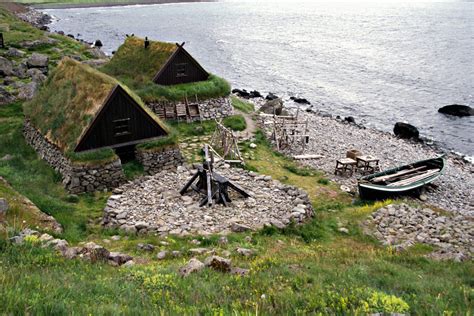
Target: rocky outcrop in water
[(274, 106), (406, 131), (300, 100), (457, 110)]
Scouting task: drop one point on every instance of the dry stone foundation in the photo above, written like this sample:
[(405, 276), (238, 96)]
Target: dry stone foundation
[(153, 205), (401, 226), (156, 160), (209, 109), (76, 178)]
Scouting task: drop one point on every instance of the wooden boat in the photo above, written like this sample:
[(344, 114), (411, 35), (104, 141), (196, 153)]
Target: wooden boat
[(401, 180)]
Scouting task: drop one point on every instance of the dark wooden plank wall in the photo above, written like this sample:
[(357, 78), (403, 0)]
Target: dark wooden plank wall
[(120, 115), (193, 73)]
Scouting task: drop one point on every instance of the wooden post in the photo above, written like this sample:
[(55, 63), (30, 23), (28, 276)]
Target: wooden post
[(2, 43)]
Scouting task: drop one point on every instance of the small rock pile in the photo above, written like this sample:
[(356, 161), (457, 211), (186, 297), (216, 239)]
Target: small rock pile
[(401, 226), (153, 204), (89, 251), (214, 262)]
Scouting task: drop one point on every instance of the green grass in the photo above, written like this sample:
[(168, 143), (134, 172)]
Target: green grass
[(160, 143), (183, 129), (213, 87), (242, 105), (132, 169), (235, 122), (98, 156)]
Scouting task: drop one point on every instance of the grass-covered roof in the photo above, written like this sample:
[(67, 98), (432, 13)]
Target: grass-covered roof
[(141, 65), (137, 67), (69, 100)]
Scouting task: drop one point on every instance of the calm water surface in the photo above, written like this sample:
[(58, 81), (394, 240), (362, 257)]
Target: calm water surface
[(380, 63)]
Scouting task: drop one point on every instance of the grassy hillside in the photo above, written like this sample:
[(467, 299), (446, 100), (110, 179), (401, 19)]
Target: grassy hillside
[(308, 269)]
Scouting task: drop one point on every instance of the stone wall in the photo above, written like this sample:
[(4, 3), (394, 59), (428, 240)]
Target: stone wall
[(87, 178), (209, 109), (154, 161), (77, 178), (215, 108)]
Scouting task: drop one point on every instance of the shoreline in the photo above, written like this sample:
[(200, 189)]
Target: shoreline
[(107, 4), (331, 138)]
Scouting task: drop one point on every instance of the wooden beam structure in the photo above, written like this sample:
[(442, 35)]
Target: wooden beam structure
[(225, 142), (210, 184)]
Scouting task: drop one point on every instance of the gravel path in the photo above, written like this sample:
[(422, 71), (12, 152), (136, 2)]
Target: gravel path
[(332, 138)]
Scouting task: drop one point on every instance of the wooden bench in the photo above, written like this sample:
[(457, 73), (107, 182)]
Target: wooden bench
[(344, 165)]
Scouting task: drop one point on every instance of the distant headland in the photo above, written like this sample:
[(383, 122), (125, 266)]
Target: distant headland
[(106, 3)]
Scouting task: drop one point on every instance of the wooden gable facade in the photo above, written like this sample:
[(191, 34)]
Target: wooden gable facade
[(181, 67), (120, 122)]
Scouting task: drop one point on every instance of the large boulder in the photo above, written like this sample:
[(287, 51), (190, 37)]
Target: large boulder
[(20, 70), (27, 92), (36, 75), (193, 265), (406, 131), (271, 96), (6, 67), (241, 93), (273, 107), (37, 61), (94, 252), (255, 94), (97, 53), (218, 263), (457, 110), (98, 43), (37, 43), (300, 100), (117, 258), (13, 52)]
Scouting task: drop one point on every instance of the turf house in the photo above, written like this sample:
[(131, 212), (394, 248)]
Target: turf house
[(85, 123), (170, 81)]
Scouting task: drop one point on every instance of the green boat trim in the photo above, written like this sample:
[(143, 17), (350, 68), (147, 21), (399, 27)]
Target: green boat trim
[(367, 188)]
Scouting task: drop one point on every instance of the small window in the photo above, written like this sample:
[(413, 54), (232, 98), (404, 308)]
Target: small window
[(121, 127), (181, 70)]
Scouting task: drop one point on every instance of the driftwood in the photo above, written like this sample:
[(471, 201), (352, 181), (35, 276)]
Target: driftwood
[(304, 157)]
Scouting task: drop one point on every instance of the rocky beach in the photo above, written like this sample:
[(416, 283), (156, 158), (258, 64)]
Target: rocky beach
[(331, 138)]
